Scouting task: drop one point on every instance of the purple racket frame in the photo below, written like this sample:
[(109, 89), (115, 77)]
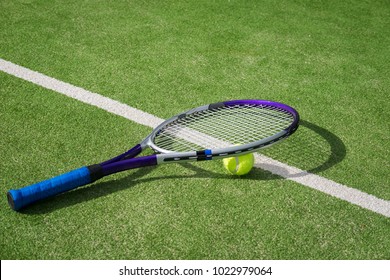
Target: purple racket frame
[(20, 198)]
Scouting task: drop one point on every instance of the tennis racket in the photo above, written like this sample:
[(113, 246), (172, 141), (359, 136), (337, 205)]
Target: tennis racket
[(208, 132)]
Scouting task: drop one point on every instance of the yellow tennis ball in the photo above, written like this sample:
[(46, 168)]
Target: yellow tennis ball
[(239, 165)]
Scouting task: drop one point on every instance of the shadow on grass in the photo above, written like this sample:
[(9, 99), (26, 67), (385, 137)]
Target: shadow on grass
[(335, 153), (312, 149), (337, 148)]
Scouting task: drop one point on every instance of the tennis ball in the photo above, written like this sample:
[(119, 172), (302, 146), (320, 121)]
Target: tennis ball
[(239, 165)]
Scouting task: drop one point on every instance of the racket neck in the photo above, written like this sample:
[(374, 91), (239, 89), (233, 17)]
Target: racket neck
[(126, 164), (133, 152)]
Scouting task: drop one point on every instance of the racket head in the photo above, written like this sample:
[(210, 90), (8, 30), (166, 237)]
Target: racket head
[(225, 128)]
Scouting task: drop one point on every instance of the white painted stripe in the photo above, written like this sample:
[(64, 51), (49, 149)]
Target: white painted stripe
[(324, 185), (313, 181), (80, 94)]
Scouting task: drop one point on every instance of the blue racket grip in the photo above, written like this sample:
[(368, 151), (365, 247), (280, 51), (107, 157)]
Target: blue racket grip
[(20, 198)]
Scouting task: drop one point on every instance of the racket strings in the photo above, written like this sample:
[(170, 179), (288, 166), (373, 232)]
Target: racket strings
[(222, 127), (244, 120)]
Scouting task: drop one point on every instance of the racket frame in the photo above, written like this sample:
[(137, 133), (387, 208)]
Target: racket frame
[(127, 160)]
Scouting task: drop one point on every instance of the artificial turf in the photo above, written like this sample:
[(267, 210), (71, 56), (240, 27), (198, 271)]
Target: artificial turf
[(326, 59)]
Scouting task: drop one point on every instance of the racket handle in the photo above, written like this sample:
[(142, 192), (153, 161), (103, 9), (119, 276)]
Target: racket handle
[(20, 198)]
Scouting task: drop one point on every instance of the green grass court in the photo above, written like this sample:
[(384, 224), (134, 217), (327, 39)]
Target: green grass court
[(327, 59)]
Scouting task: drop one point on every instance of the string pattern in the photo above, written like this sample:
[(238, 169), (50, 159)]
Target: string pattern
[(222, 127)]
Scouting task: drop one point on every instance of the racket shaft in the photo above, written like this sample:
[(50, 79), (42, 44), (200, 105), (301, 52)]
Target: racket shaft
[(108, 169), (20, 198)]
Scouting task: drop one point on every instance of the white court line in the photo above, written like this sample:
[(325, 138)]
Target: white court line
[(313, 181)]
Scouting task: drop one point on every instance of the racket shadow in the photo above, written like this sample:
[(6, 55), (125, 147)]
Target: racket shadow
[(314, 149)]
